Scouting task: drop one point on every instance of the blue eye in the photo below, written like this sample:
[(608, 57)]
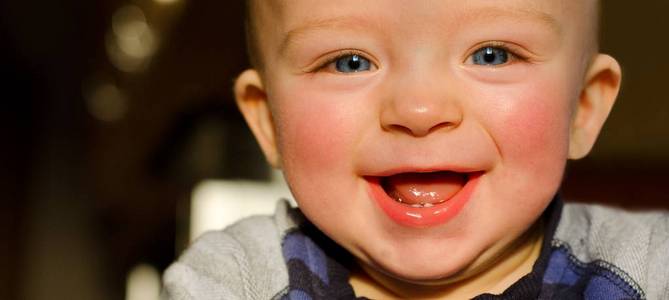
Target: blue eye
[(352, 63), (490, 56)]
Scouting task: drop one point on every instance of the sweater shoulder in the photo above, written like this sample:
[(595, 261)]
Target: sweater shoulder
[(635, 242), (242, 261)]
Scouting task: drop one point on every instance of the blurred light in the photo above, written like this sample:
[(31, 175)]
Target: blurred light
[(106, 102), (131, 41), (216, 204), (132, 32), (143, 283), (166, 2)]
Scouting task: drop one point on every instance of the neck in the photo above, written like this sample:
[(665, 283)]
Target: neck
[(494, 276)]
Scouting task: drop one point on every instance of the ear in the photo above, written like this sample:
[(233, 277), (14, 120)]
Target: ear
[(252, 102), (602, 83)]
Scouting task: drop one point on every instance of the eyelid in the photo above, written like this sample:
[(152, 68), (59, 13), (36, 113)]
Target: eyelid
[(330, 58), (516, 53)]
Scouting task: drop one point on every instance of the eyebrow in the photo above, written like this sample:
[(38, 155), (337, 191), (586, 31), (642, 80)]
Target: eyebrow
[(517, 13), (349, 22), (478, 14)]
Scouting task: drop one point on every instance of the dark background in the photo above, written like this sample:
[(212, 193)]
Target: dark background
[(99, 155)]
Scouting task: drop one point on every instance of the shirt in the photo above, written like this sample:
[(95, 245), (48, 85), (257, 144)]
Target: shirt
[(589, 252)]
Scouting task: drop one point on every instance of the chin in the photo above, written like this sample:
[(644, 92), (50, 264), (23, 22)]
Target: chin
[(434, 276), (426, 266)]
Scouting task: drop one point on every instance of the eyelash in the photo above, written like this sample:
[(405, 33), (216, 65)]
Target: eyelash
[(514, 53), (339, 55)]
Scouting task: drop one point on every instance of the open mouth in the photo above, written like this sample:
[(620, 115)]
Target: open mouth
[(423, 189), (423, 199)]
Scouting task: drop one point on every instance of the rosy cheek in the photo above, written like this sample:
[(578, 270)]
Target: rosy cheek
[(313, 130), (534, 127)]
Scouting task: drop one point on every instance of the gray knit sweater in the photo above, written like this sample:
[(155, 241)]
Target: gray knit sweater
[(629, 250)]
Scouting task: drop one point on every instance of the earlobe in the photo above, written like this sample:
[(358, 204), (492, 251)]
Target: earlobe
[(252, 102), (602, 83)]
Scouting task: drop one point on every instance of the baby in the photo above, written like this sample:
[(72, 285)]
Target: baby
[(425, 142)]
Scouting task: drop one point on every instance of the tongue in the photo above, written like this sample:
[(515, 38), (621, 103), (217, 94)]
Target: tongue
[(423, 188)]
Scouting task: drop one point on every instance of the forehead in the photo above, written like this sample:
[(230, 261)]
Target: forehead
[(280, 20)]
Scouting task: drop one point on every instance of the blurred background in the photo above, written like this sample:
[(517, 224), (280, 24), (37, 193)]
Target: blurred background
[(117, 114)]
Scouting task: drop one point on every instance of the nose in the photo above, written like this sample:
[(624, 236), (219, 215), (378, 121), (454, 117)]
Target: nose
[(417, 109)]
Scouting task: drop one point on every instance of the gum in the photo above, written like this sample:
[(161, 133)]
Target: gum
[(421, 217)]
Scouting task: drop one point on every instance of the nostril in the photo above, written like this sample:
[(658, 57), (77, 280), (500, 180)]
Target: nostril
[(400, 128), (421, 131), (444, 126), (420, 117)]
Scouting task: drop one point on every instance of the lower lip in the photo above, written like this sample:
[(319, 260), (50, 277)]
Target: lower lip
[(421, 217)]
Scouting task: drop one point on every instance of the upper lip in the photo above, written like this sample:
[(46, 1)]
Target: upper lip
[(408, 169)]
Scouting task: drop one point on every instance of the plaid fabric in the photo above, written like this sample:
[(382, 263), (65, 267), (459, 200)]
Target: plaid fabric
[(312, 273), (316, 270)]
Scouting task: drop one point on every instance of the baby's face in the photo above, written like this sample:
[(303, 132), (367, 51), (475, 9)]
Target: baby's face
[(423, 136)]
